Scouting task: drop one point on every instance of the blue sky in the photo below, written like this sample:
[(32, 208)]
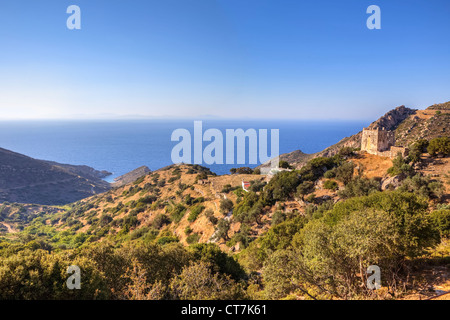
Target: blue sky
[(222, 58)]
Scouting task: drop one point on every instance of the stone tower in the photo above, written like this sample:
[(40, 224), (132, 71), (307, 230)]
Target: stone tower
[(375, 141)]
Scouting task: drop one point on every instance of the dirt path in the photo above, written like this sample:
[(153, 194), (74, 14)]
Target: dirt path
[(8, 226)]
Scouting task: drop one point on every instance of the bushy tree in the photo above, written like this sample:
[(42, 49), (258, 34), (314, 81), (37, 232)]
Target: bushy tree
[(223, 226), (439, 146), (226, 206), (344, 172), (257, 185), (278, 217), (441, 220), (400, 167), (330, 185), (315, 168), (197, 282), (380, 229), (359, 186), (417, 149), (281, 187), (219, 261), (423, 186), (304, 188), (282, 274), (160, 220), (284, 164)]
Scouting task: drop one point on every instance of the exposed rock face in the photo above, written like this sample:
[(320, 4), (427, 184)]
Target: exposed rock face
[(392, 119), (131, 176), (425, 124), (391, 182)]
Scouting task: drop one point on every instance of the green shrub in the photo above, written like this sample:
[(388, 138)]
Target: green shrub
[(304, 188), (220, 261), (439, 146), (383, 229), (166, 239), (227, 188), (311, 198), (358, 187), (284, 164), (417, 149), (195, 212), (315, 168), (210, 215), (188, 230), (344, 172), (281, 187), (331, 185), (222, 230), (346, 152), (242, 237), (139, 180), (226, 206), (177, 212), (278, 217), (160, 220), (257, 185), (400, 166), (193, 238), (441, 220), (422, 186)]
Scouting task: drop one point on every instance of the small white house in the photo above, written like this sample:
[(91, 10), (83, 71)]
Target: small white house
[(245, 185)]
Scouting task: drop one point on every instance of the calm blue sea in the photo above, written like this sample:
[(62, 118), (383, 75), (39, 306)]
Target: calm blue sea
[(121, 146)]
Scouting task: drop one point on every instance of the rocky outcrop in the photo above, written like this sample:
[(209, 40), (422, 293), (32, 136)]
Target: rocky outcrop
[(391, 120), (131, 176), (391, 183)]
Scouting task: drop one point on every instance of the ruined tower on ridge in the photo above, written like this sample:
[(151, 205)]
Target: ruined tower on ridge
[(381, 142), (377, 140)]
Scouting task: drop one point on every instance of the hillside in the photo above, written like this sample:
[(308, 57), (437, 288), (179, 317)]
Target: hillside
[(27, 180), (409, 125), (190, 206), (280, 239), (163, 201)]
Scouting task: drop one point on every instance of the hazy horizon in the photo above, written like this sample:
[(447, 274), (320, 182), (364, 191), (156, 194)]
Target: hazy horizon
[(221, 59)]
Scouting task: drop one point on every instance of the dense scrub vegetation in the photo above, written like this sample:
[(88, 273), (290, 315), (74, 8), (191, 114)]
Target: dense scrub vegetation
[(320, 254), (135, 270), (326, 255)]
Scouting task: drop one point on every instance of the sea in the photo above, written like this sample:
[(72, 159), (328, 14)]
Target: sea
[(120, 146)]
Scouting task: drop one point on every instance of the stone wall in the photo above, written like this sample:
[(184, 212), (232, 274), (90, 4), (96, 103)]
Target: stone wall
[(386, 139), (369, 141), (381, 143), (376, 140)]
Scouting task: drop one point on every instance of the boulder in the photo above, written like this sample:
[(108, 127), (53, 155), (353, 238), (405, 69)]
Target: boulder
[(390, 182)]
